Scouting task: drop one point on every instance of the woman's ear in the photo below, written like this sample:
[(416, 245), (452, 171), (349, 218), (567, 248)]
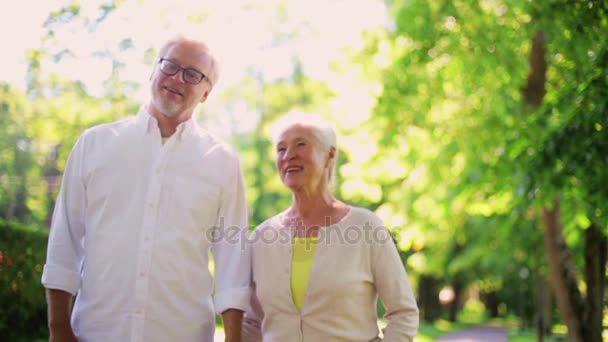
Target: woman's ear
[(331, 155)]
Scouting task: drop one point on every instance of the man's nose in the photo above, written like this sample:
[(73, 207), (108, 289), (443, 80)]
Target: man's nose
[(179, 76)]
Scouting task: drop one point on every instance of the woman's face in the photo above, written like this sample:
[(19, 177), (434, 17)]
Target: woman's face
[(302, 161)]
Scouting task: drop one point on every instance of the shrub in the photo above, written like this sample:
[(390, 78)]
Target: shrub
[(22, 255)]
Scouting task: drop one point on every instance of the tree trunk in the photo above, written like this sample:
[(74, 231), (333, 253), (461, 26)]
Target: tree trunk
[(428, 298), (595, 276), (53, 179), (20, 210), (563, 273), (534, 91), (491, 302), (543, 306)]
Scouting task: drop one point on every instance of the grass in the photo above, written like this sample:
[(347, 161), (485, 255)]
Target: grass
[(517, 334)]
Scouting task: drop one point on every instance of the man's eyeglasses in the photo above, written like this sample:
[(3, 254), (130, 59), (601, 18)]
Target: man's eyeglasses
[(189, 75)]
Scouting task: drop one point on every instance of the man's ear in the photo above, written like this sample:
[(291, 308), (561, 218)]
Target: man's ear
[(205, 94), (153, 71)]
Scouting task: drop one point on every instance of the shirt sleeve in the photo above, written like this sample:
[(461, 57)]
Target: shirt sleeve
[(393, 286), (252, 319), (65, 246), (230, 247)]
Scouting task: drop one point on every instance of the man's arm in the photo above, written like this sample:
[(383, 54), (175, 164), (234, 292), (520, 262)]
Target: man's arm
[(61, 274), (252, 319), (231, 251), (232, 324), (59, 309)]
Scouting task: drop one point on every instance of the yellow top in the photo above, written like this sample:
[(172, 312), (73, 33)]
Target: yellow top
[(303, 257)]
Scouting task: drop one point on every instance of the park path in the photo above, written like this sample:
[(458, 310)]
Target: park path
[(468, 335), (219, 335), (476, 335)]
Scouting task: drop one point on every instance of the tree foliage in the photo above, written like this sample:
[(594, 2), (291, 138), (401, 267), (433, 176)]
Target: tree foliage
[(481, 155)]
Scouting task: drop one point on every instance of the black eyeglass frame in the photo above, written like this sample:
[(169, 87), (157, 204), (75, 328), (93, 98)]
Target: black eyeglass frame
[(179, 68)]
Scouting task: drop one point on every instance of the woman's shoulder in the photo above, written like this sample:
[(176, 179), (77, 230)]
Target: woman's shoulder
[(359, 214), (269, 234), (271, 224)]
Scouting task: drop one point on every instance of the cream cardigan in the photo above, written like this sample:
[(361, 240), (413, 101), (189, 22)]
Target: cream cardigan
[(356, 260)]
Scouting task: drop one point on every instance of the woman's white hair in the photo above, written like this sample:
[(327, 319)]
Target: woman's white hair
[(323, 130)]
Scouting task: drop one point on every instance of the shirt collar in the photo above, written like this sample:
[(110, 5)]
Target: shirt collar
[(186, 128), (146, 123)]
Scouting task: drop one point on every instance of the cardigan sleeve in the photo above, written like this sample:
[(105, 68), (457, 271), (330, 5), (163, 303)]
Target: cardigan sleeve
[(393, 286)]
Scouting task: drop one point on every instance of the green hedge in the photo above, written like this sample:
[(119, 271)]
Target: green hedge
[(22, 301)]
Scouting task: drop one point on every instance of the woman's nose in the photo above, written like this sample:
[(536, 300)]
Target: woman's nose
[(289, 154)]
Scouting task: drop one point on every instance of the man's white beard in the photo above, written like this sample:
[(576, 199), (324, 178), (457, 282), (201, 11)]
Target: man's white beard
[(168, 109)]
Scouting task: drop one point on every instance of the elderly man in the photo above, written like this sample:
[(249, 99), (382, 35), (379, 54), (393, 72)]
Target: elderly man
[(142, 202)]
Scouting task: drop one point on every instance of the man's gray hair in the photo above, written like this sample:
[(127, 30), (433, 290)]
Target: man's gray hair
[(213, 74), (323, 130)]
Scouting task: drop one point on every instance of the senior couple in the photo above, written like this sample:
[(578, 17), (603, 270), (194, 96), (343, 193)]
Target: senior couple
[(139, 197)]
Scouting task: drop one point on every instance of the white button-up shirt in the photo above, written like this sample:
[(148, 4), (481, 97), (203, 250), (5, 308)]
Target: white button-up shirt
[(133, 226), (356, 261)]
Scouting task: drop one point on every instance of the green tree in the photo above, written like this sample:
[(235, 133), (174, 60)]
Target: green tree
[(458, 118), (567, 163), (16, 159)]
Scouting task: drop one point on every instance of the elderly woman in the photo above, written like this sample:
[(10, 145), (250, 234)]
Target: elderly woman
[(320, 265)]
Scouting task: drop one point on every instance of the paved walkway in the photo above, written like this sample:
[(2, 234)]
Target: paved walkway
[(476, 335), (469, 335), (219, 335)]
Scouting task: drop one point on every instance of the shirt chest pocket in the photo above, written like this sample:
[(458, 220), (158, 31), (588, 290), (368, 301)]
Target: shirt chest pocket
[(194, 203)]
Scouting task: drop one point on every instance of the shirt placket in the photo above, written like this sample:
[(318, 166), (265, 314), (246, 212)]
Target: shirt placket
[(149, 223)]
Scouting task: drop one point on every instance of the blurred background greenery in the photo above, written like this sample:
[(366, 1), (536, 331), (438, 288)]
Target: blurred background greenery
[(475, 129)]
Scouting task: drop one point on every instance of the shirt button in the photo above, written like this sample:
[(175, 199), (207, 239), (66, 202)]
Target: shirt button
[(146, 238), (141, 274), (138, 311), (151, 205)]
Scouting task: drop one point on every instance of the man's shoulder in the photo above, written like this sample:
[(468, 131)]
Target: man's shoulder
[(214, 145), (110, 128)]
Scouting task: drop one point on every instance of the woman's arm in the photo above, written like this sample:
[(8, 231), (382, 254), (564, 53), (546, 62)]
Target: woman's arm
[(393, 287)]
